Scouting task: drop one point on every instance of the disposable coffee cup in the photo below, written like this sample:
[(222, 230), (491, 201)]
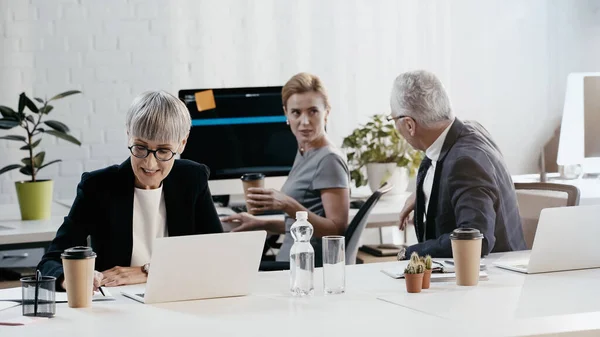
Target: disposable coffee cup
[(252, 180), (466, 250), (78, 265)]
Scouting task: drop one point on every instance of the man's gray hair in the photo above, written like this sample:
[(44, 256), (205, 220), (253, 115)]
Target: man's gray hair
[(158, 116), (420, 95)]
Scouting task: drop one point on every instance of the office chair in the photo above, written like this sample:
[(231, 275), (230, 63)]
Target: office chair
[(533, 197), (352, 233)]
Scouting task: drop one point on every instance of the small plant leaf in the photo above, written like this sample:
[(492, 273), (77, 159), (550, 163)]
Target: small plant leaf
[(46, 110), (39, 100), (49, 163), (9, 168), (7, 124), (7, 112), (28, 103), (26, 161), (38, 160), (58, 126), (64, 136), (27, 170), (64, 94), (36, 143), (14, 137), (30, 118)]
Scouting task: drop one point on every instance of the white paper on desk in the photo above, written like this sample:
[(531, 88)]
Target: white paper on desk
[(15, 294), (8, 304), (446, 274)]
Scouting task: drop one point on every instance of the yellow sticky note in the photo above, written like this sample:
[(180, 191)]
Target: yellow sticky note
[(205, 100)]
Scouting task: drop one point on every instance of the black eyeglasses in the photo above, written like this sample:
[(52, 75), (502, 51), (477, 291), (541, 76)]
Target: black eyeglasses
[(141, 152), (395, 118)]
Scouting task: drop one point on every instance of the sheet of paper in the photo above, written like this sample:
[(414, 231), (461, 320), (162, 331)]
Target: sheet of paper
[(8, 304), (14, 294)]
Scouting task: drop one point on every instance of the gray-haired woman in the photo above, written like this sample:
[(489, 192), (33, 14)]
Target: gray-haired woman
[(123, 208)]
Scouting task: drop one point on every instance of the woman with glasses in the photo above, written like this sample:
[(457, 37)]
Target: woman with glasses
[(123, 208)]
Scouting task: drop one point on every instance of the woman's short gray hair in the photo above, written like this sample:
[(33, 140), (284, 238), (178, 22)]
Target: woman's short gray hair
[(158, 116), (420, 95)]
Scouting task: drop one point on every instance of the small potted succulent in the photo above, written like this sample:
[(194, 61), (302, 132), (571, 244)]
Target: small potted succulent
[(428, 263), (35, 195), (413, 274)]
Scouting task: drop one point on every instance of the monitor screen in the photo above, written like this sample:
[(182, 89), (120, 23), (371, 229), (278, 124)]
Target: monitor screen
[(239, 130)]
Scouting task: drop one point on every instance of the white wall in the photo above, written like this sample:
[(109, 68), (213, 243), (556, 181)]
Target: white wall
[(504, 62)]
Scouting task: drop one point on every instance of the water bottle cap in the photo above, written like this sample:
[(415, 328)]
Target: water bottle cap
[(302, 215)]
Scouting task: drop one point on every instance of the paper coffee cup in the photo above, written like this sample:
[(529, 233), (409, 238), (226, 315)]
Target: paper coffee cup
[(466, 251), (252, 180), (78, 265)]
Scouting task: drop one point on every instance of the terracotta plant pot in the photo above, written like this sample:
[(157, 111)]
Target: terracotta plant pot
[(427, 279), (414, 282)]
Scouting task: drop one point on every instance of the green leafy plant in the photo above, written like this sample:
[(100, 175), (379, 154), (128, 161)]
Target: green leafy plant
[(31, 122), (415, 266), (378, 142)]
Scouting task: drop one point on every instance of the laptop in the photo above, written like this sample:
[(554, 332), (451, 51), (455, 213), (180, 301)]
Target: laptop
[(566, 239), (201, 266)]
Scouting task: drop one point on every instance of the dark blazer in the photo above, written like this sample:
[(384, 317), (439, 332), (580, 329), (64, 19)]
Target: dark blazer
[(103, 209), (471, 188)]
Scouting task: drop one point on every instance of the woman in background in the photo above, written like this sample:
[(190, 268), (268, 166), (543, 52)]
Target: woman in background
[(319, 179)]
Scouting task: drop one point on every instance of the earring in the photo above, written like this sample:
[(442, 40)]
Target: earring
[(287, 122)]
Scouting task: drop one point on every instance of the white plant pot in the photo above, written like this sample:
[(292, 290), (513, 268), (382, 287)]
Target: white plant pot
[(398, 176)]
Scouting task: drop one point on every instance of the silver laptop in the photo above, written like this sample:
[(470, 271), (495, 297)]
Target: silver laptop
[(566, 239), (202, 266)]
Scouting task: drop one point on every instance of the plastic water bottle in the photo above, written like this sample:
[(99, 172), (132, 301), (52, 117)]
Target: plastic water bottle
[(302, 257)]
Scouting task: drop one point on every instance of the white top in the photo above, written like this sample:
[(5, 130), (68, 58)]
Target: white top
[(149, 223), (433, 152)]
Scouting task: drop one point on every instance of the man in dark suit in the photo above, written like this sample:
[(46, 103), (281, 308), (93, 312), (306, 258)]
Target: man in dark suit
[(463, 180)]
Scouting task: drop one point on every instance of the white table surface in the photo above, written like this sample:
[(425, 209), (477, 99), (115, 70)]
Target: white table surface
[(508, 304), (15, 231), (589, 188)]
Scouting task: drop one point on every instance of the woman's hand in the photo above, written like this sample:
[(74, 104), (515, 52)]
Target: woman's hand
[(120, 276), (409, 206), (262, 199), (246, 222)]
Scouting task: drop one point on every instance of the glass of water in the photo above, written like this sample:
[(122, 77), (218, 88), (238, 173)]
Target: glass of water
[(334, 264)]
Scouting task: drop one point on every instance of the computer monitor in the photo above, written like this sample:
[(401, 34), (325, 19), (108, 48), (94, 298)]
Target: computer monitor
[(236, 131)]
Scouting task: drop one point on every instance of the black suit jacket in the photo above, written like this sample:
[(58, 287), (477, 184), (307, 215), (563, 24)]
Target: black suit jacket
[(103, 209), (471, 188)]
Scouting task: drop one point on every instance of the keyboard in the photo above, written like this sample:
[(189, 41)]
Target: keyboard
[(141, 295), (242, 208)]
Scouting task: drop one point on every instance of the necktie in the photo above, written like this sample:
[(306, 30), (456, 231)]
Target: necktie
[(420, 204)]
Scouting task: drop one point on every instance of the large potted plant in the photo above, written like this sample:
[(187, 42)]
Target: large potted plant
[(385, 154), (35, 196)]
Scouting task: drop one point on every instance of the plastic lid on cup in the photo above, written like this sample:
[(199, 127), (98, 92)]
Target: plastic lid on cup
[(466, 234), (77, 253), (301, 215), (252, 176)]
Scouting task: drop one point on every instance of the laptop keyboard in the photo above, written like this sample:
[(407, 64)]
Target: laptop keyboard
[(141, 295)]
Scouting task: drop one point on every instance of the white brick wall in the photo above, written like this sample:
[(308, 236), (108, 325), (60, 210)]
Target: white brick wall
[(504, 62)]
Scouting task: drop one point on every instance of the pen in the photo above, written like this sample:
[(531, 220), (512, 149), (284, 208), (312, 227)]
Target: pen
[(101, 291)]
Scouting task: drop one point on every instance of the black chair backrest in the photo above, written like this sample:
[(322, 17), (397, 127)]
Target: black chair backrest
[(359, 222)]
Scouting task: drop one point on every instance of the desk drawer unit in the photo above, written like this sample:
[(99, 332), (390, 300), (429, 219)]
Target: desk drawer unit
[(29, 257)]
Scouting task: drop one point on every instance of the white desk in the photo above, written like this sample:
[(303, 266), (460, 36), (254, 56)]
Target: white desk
[(15, 231), (589, 188), (508, 304)]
